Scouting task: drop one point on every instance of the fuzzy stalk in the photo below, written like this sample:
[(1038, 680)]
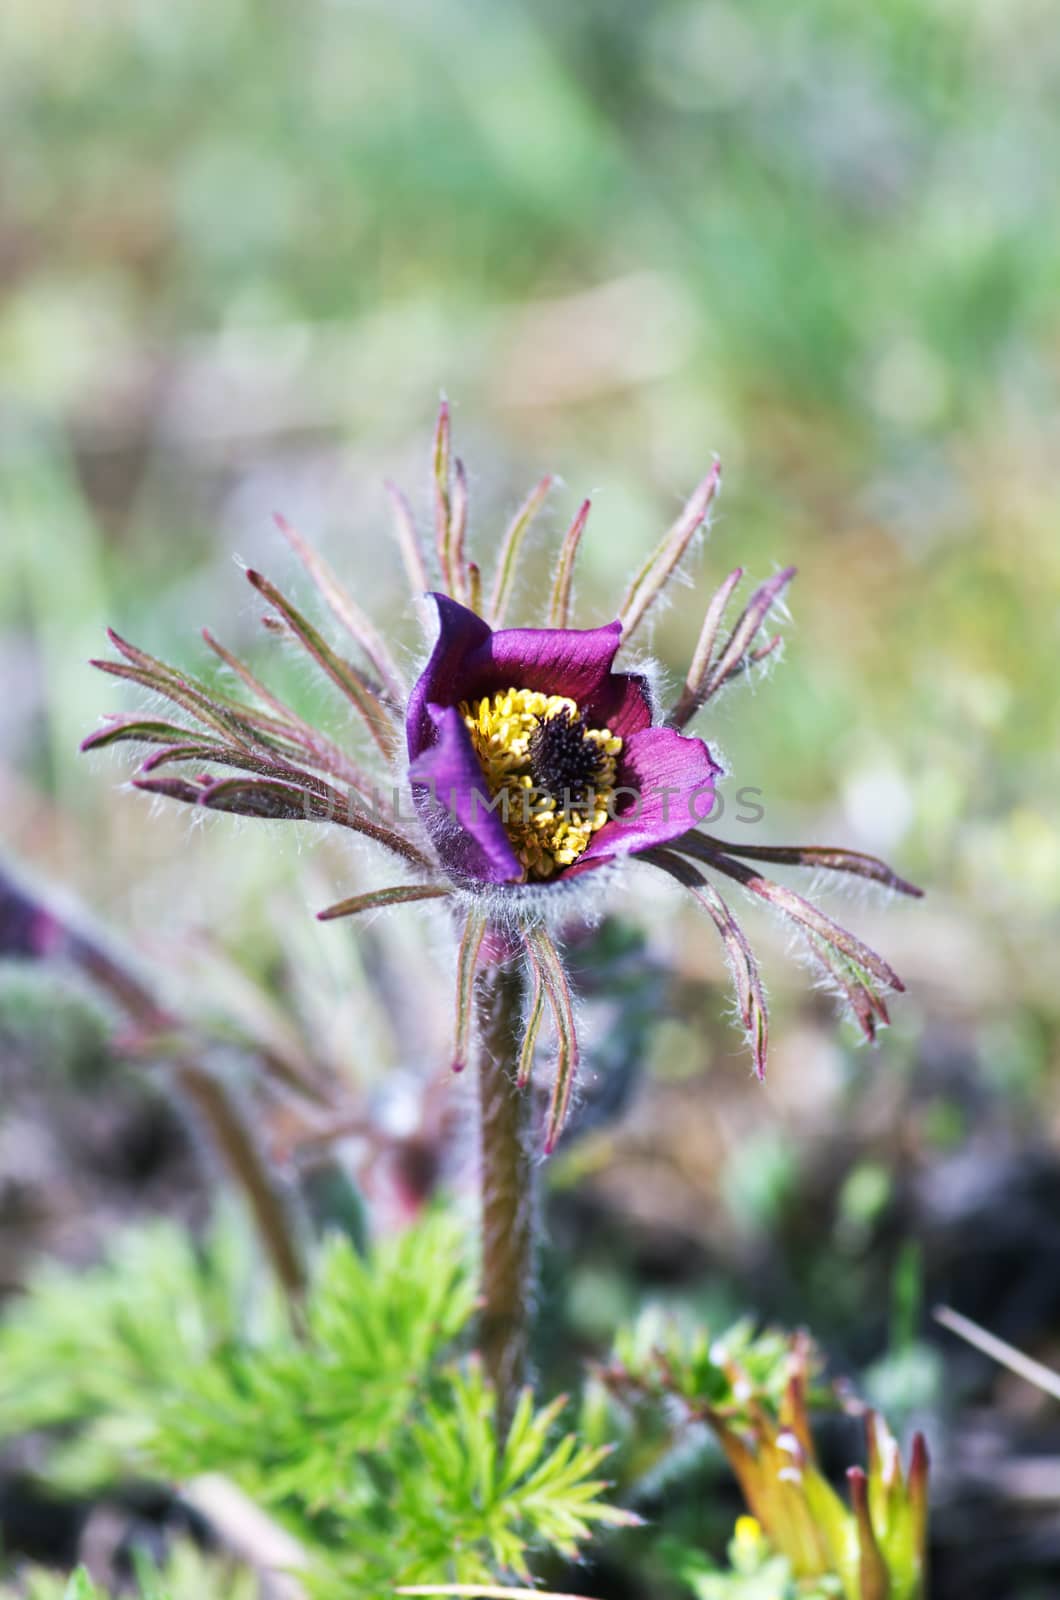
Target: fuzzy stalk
[(508, 1213)]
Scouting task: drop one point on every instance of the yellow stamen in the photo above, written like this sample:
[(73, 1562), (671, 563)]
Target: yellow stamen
[(547, 832)]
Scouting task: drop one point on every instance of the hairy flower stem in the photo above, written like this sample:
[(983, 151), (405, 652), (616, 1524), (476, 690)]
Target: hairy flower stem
[(508, 1205)]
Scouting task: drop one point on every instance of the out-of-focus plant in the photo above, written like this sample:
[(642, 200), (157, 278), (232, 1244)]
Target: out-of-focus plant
[(86, 1356), (187, 1575), (756, 1396), (755, 1571), (365, 1437)]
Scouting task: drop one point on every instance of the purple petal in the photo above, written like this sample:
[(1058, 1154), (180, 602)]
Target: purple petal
[(571, 661), (452, 795), (460, 631), (621, 704), (469, 660), (672, 778)]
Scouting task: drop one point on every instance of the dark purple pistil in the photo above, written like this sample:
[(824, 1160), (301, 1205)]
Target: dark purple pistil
[(563, 762)]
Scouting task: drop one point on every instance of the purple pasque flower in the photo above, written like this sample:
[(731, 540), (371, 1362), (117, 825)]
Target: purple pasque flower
[(531, 762), (533, 759)]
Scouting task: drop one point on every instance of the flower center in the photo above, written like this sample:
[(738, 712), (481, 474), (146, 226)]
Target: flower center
[(550, 775)]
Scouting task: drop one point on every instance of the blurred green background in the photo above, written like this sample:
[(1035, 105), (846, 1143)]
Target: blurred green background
[(242, 249)]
